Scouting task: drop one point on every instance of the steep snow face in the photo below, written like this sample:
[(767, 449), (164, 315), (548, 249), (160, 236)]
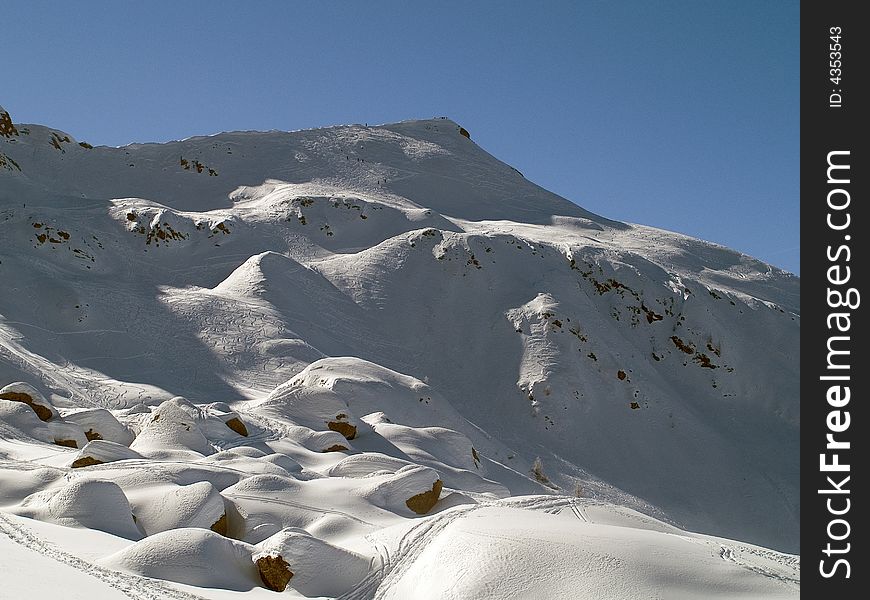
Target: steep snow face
[(368, 319)]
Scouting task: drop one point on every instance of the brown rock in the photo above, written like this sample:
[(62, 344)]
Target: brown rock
[(274, 572), (621, 375), (423, 503), (67, 443), (335, 448), (635, 406), (220, 526), (92, 435), (684, 347), (7, 127), (41, 411), (345, 429), (85, 461), (236, 425)]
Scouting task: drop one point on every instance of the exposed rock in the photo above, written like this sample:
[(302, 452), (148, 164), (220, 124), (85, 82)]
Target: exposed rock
[(99, 424), (344, 428), (423, 503), (92, 435), (335, 448), (85, 461), (196, 505), (26, 393), (275, 572), (97, 452), (238, 426), (220, 526), (20, 416), (64, 433), (683, 346), (7, 127), (319, 569)]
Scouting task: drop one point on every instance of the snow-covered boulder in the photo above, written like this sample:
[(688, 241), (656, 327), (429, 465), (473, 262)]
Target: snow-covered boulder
[(192, 556), (310, 565), (171, 430), (20, 391), (309, 404), (412, 488), (97, 452), (100, 424), (87, 503), (67, 434), (164, 507), (20, 416)]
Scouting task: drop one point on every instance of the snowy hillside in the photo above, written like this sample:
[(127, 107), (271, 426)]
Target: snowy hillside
[(357, 354)]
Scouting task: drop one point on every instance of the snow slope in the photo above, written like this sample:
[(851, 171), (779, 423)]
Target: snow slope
[(342, 331)]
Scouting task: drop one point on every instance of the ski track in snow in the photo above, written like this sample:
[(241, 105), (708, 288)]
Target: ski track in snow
[(134, 586), (393, 565)]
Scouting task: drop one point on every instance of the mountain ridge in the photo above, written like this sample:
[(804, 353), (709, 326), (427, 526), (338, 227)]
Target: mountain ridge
[(569, 353)]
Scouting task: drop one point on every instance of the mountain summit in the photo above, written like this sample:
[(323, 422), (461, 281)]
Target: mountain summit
[(378, 323)]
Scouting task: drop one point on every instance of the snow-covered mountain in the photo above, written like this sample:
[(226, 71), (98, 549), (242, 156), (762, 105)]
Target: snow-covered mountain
[(364, 351)]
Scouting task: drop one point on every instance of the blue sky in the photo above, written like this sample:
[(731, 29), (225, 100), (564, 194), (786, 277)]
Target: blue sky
[(679, 114)]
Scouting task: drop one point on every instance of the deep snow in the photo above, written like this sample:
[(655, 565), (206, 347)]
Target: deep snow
[(379, 348)]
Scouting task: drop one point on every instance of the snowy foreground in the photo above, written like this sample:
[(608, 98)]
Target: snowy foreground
[(376, 362)]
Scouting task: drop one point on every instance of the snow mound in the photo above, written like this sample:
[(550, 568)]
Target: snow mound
[(20, 416), (368, 463), (364, 387), (317, 408), (193, 556), (100, 424), (171, 431), (449, 452), (253, 462), (503, 554), (98, 452), (88, 503), (413, 489), (70, 435), (165, 507), (261, 505), (318, 568), (20, 391), (16, 485), (25, 409)]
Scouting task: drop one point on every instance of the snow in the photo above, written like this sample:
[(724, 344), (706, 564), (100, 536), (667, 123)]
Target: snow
[(92, 504), (319, 568), (493, 553), (386, 357), (53, 576), (189, 555)]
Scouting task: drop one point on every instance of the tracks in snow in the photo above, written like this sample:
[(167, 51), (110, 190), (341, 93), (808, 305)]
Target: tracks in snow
[(133, 586), (378, 583)]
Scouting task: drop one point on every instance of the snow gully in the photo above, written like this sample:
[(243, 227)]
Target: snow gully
[(840, 300)]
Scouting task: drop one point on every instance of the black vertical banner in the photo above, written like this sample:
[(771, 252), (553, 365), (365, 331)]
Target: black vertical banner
[(834, 262)]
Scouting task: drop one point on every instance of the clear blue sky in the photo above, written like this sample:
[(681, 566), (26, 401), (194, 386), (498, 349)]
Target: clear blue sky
[(678, 114)]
